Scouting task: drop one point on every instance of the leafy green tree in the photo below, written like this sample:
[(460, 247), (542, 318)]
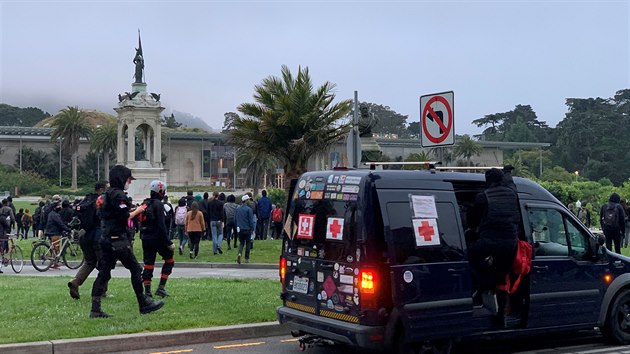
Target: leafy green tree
[(105, 141), (170, 122), (228, 122), (37, 161), (290, 121), (417, 157), (466, 147), (521, 124), (70, 126), (413, 130), (520, 169), (26, 117)]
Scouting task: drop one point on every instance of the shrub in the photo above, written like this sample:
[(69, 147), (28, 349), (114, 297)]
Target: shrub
[(28, 182)]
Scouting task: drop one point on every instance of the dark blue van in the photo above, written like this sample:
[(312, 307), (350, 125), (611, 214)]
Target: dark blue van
[(378, 259)]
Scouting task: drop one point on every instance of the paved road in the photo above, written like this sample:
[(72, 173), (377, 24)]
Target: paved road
[(584, 343), (178, 272)]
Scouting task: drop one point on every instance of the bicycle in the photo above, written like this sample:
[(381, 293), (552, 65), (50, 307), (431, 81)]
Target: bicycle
[(15, 256), (45, 255)]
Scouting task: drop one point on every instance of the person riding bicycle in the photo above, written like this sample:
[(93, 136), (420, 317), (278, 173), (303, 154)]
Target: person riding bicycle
[(154, 236), (114, 209), (55, 227), (89, 242)]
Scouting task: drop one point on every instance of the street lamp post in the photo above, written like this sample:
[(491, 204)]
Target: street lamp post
[(59, 162), (20, 127), (576, 175)]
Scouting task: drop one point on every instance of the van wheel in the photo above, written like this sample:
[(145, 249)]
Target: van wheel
[(617, 327)]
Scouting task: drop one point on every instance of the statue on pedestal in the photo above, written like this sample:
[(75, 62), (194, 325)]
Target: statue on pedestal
[(139, 61)]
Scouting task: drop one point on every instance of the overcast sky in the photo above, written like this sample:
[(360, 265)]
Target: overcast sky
[(205, 57)]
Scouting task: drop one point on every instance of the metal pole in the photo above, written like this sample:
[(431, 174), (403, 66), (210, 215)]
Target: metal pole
[(540, 166), (20, 121), (98, 167), (355, 127), (59, 162), (234, 170)]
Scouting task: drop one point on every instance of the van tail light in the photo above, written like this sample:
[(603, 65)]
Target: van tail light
[(282, 270), (368, 288)]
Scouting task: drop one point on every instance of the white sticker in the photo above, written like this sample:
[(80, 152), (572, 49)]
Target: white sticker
[(424, 206), (346, 279), (320, 277), (336, 266), (330, 178), (408, 277), (426, 231), (353, 180), (334, 229), (350, 189), (302, 184)]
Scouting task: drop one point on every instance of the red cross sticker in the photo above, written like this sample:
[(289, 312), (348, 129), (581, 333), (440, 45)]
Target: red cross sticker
[(305, 226), (426, 232), (334, 229)]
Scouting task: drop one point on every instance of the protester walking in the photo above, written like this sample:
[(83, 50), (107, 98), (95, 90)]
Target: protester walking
[(180, 220), (215, 214), (154, 236), (276, 218), (264, 216), (27, 221), (89, 241), (195, 227), (229, 231), (114, 209), (244, 218), (613, 224)]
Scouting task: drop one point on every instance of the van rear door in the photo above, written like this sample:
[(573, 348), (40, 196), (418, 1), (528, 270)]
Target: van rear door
[(431, 279)]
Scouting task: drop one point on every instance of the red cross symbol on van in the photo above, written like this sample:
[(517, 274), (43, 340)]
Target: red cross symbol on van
[(426, 231), (335, 229)]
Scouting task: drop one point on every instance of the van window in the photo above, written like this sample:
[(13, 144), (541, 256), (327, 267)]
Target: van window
[(335, 250), (578, 241), (548, 233), (403, 236)]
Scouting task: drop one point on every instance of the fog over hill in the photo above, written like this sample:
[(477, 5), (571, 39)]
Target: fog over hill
[(190, 120)]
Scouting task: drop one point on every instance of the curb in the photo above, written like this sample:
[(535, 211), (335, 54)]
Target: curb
[(153, 340)]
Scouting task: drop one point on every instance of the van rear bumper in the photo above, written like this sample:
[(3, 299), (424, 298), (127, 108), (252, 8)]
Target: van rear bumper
[(339, 331)]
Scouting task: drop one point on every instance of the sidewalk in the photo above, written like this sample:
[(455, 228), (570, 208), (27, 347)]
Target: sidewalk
[(140, 341)]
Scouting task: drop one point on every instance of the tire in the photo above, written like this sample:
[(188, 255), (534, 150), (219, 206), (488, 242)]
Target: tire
[(17, 259), (617, 327), (73, 256), (42, 257)]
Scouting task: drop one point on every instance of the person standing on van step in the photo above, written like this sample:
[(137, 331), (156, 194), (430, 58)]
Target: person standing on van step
[(154, 236), (613, 223), (89, 242), (114, 209), (244, 218), (497, 213)]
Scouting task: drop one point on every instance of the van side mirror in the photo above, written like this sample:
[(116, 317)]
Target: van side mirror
[(596, 246)]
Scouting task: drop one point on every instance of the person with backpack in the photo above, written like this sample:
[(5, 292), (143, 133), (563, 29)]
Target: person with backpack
[(154, 236), (613, 224), (229, 231), (114, 210), (169, 215), (18, 221), (276, 218), (46, 209), (180, 221), (27, 221), (89, 241), (37, 214)]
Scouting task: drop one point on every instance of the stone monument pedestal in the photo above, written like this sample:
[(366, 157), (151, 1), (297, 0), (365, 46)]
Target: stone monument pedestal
[(370, 151), (139, 189)]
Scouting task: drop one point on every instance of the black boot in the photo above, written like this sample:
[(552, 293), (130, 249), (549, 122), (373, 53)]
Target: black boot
[(96, 309), (147, 305), (147, 290), (74, 289), (161, 291)]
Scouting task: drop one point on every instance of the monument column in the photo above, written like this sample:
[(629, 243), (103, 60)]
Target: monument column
[(131, 145)]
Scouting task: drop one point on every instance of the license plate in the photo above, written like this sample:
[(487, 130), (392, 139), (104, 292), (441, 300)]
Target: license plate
[(300, 285)]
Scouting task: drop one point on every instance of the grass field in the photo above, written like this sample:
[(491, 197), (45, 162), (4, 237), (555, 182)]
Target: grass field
[(267, 251), (36, 308)]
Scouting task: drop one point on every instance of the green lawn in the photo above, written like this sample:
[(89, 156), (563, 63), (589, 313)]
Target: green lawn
[(37, 309)]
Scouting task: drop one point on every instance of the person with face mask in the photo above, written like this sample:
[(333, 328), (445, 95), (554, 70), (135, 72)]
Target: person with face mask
[(114, 210), (154, 236)]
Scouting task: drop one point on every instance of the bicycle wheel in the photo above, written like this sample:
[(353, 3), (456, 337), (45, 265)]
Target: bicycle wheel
[(73, 256), (17, 259), (42, 257)]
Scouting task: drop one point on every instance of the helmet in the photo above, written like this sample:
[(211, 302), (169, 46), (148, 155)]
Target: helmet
[(158, 187)]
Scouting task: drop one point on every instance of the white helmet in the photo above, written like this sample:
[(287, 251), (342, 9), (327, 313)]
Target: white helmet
[(158, 187)]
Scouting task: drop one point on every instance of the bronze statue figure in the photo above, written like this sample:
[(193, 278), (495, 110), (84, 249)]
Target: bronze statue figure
[(139, 61)]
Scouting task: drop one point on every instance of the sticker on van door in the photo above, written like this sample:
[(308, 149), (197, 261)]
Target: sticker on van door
[(424, 206), (306, 224), (334, 229), (426, 231)]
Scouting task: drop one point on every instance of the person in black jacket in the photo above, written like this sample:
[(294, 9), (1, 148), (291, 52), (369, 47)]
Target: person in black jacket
[(55, 226), (496, 216), (66, 211), (89, 242), (114, 209), (612, 219), (154, 236)]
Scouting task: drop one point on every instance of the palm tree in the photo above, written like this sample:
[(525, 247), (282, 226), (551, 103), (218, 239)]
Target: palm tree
[(421, 156), (105, 141), (70, 126), (290, 121), (467, 147)]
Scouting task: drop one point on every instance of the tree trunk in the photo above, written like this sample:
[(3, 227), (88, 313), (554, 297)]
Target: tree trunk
[(75, 157), (106, 166)]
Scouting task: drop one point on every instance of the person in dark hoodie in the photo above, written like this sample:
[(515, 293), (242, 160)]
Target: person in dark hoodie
[(496, 217), (114, 210), (154, 236), (55, 226), (613, 223), (66, 211)]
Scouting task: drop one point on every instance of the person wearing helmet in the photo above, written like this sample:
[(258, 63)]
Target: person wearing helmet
[(154, 236)]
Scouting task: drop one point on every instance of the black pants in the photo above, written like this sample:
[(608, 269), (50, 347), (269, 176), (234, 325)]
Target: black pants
[(112, 252), (230, 233), (150, 248), (91, 253), (245, 238), (193, 245), (613, 236)]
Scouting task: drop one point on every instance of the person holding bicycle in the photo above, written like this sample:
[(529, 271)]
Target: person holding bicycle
[(154, 236), (114, 210), (6, 216), (55, 227)]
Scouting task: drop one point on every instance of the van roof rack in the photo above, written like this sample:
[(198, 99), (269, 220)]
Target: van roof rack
[(467, 168), (431, 164)]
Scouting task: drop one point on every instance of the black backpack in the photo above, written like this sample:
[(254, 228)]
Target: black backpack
[(86, 211), (610, 219)]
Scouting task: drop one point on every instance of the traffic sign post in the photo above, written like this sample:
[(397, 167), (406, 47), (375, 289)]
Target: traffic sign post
[(437, 119)]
